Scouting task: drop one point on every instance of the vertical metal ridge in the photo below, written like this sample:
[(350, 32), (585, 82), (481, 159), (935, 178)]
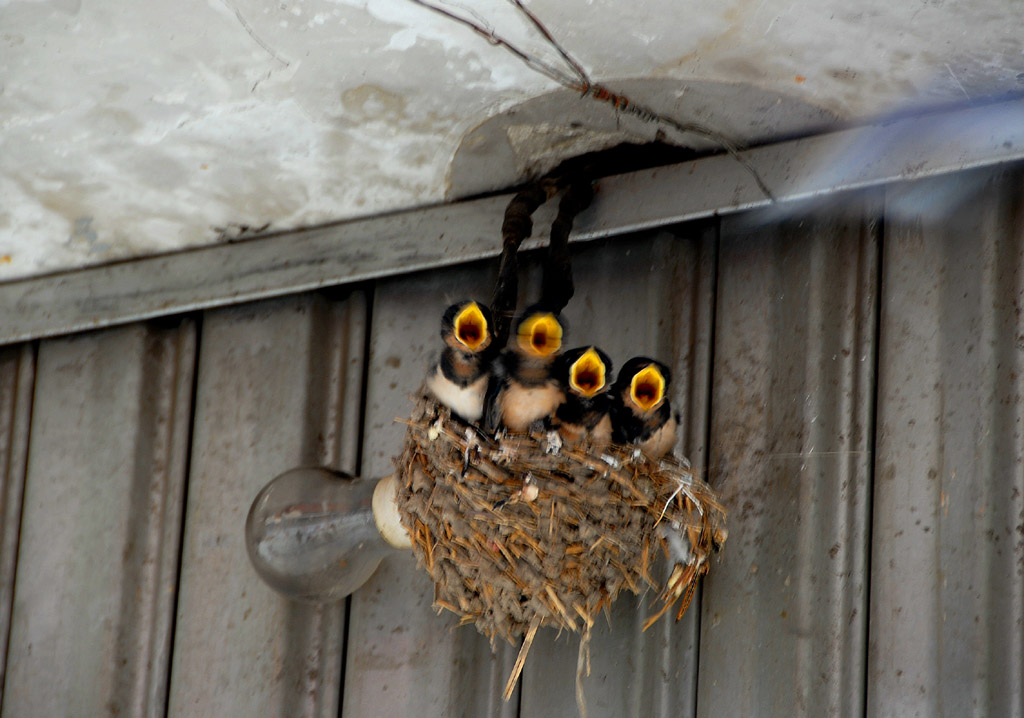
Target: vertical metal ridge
[(402, 658), (705, 464), (948, 540), (783, 611), (668, 661), (647, 296), (1003, 692), (316, 634), (358, 416), (17, 378), (364, 381), (197, 320), (275, 391), (153, 524), (335, 387), (879, 228), (311, 636), (99, 551)]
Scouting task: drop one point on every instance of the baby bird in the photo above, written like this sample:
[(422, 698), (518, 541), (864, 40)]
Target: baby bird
[(460, 377), (585, 375), (641, 413), (523, 388)]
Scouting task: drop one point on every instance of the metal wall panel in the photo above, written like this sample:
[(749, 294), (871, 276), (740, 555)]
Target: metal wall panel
[(772, 334), (784, 613), (947, 598), (17, 375), (403, 659), (650, 296), (278, 387), (97, 565)]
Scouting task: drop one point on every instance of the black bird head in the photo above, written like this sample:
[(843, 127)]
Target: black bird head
[(538, 333), (466, 327), (585, 372), (642, 385)]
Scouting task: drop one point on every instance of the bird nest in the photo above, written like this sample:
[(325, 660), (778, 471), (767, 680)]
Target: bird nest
[(523, 531)]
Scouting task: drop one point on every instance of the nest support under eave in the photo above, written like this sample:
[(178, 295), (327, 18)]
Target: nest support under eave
[(524, 531)]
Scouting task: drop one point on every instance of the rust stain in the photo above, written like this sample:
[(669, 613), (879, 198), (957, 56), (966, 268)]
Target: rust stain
[(800, 79), (5, 259)]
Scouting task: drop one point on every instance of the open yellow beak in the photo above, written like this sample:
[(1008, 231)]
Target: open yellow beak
[(471, 327), (586, 375), (647, 388), (540, 335)]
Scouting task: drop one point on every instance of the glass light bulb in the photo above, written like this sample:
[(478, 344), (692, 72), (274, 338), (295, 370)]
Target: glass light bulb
[(312, 536)]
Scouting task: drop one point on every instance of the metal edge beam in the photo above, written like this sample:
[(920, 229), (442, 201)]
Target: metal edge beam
[(210, 276)]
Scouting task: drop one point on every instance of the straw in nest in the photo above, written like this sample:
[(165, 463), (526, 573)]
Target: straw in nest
[(522, 531)]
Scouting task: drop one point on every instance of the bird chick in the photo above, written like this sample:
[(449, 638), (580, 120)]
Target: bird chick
[(585, 375), (523, 389), (641, 412), (459, 378)]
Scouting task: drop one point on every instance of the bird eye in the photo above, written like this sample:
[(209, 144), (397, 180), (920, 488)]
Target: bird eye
[(587, 374), (471, 327), (647, 388)]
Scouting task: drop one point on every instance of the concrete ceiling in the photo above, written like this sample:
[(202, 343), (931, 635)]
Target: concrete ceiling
[(133, 128)]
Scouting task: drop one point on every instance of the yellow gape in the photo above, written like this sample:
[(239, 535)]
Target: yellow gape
[(471, 327), (586, 375), (647, 388), (540, 335)]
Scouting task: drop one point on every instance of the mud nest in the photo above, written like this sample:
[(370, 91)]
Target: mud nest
[(524, 531)]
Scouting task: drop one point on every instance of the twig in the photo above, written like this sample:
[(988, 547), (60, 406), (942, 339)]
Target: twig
[(495, 39), (569, 59), (582, 670), (517, 668)]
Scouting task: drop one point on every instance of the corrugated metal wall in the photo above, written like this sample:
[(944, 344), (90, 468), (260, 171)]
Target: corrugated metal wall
[(850, 378)]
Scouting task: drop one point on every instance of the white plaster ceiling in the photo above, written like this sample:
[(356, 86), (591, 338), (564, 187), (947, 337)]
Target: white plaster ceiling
[(128, 128)]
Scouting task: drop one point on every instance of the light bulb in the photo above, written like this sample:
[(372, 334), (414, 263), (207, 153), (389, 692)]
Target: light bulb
[(317, 535)]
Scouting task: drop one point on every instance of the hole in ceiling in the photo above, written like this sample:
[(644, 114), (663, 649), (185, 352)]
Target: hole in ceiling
[(533, 137)]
